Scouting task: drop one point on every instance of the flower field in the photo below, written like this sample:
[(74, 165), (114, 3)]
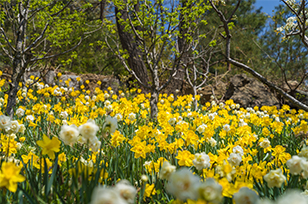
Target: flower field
[(74, 146)]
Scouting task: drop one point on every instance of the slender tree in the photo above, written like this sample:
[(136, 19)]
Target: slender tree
[(150, 32), (32, 30)]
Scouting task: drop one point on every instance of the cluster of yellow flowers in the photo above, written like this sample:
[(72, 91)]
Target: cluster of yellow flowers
[(218, 150)]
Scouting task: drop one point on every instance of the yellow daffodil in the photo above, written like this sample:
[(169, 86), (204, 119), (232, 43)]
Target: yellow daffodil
[(49, 146), (9, 176)]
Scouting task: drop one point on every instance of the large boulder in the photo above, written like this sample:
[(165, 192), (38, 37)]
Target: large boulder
[(110, 81), (72, 83), (218, 90), (48, 76), (106, 82), (249, 92)]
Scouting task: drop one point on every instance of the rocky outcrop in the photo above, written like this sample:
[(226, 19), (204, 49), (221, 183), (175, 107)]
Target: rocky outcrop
[(73, 81), (90, 82), (249, 92), (48, 77)]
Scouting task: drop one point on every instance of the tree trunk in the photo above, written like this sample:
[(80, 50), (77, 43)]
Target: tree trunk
[(129, 43), (154, 94), (195, 101), (102, 9), (18, 71), (19, 62), (153, 103)]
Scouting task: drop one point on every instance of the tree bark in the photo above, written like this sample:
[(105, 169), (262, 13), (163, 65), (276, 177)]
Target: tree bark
[(153, 103), (19, 64), (154, 94), (129, 43)]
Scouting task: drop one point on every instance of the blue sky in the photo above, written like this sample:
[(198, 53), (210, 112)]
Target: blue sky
[(268, 5)]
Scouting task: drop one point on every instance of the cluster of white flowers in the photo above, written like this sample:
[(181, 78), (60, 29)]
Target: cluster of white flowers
[(242, 123), (291, 22), (201, 128), (57, 92), (298, 164), (64, 114), (212, 116), (39, 85), (122, 193), (201, 161), (69, 134), (108, 106), (30, 118), (304, 152), (20, 112), (131, 116), (245, 195), (235, 157), (226, 127), (289, 197), (11, 126), (166, 170), (217, 1), (15, 127), (29, 81), (172, 121), (86, 133), (190, 115), (111, 124), (265, 143), (184, 185), (5, 122), (235, 106), (238, 150), (106, 95), (212, 142), (275, 178), (119, 117)]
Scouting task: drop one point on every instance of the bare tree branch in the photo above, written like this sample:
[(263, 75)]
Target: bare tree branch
[(7, 40), (269, 84), (62, 53), (37, 39)]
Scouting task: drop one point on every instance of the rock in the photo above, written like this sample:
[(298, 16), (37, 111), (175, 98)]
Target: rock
[(29, 74), (207, 91), (249, 92), (292, 84), (73, 82), (219, 89), (110, 81), (106, 81), (47, 78)]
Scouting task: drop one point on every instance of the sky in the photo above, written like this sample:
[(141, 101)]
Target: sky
[(268, 5)]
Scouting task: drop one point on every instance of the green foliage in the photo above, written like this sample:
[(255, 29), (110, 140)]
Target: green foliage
[(55, 26), (155, 25)]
